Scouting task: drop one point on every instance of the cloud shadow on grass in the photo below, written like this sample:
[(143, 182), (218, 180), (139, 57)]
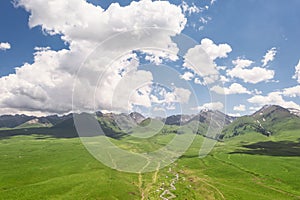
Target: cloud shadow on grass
[(270, 148)]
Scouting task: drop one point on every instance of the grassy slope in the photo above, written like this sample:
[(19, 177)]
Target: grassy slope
[(238, 176), (58, 169), (48, 168), (271, 121), (266, 177)]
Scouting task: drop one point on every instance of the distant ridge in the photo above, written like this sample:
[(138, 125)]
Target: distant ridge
[(12, 121), (268, 120)]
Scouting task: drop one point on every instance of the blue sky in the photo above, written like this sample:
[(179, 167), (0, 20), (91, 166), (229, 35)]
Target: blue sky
[(249, 28)]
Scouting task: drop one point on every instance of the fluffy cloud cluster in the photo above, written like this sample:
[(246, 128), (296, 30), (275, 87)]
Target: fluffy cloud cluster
[(242, 63), (187, 76), (190, 9), (46, 85), (94, 23), (234, 88), (253, 75), (278, 96), (292, 91), (215, 51), (273, 98), (210, 106), (200, 59), (4, 46), (239, 108), (242, 69)]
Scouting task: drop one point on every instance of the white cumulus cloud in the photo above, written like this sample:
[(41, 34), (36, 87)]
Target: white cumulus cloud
[(292, 91), (214, 50), (234, 88), (253, 75), (5, 46), (240, 108), (200, 59), (273, 98), (187, 76), (210, 106), (46, 85), (242, 63)]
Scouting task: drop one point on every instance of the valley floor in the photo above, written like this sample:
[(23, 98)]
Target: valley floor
[(37, 167)]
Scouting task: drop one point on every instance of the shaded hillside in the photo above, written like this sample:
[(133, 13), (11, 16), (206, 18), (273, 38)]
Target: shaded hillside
[(206, 116), (270, 148), (55, 119), (25, 121), (12, 121), (178, 119)]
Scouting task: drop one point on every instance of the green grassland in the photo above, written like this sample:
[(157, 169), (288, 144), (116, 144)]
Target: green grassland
[(248, 166)]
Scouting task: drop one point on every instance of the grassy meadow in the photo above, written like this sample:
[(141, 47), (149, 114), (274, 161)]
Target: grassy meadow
[(249, 166)]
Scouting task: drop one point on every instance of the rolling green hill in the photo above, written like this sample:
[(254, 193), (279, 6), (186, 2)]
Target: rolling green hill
[(269, 120)]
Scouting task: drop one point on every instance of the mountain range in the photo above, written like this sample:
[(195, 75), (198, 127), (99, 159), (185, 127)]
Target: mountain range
[(268, 120)]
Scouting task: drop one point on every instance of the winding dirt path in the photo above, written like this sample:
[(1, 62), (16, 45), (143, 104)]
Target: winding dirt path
[(145, 191)]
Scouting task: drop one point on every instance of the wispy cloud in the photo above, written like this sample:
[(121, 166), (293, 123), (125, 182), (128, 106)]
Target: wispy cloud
[(269, 56), (297, 72)]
